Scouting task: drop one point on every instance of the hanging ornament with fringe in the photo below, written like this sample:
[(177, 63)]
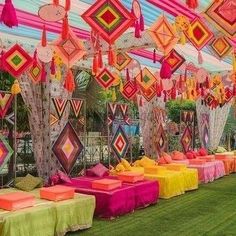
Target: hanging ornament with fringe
[(69, 84), (193, 4), (53, 67), (8, 16), (111, 56), (67, 5), (65, 28), (139, 19), (35, 61), (44, 37), (56, 2), (165, 72), (43, 74)]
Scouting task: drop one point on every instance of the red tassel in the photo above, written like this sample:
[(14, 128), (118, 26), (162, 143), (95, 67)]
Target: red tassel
[(67, 6), (154, 56), (165, 72), (165, 96), (8, 16), (141, 23), (100, 61), (111, 56), (65, 28), (35, 62), (137, 33), (1, 61), (132, 13), (44, 37), (141, 75), (53, 68), (127, 75), (141, 102), (69, 84), (173, 93), (207, 83), (56, 2), (200, 59), (44, 74), (202, 92), (193, 4), (158, 90), (95, 64)]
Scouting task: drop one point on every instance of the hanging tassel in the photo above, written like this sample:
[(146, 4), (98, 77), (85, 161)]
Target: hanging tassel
[(165, 72), (141, 75), (44, 37), (53, 67), (8, 16), (165, 96), (141, 23), (200, 59), (141, 101), (65, 28), (202, 92), (100, 61), (137, 33), (69, 84), (56, 2), (113, 96), (95, 64), (121, 85), (234, 61), (1, 61), (154, 56), (207, 83), (193, 4), (182, 38), (35, 62), (44, 74), (111, 56), (15, 89), (127, 75), (173, 93), (67, 6), (132, 13)]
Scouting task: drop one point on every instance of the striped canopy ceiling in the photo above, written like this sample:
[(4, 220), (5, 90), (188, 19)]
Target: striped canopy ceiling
[(30, 26)]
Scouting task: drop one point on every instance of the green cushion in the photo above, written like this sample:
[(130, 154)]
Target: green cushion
[(221, 150), (17, 180), (28, 183)]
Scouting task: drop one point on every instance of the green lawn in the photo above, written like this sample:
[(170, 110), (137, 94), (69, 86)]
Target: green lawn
[(211, 210)]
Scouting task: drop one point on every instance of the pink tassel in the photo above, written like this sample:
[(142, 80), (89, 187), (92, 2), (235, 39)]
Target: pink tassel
[(53, 67), (111, 56), (154, 56), (44, 74), (137, 33), (44, 37), (165, 72), (35, 62), (100, 61), (207, 83), (127, 75), (67, 6), (8, 16), (65, 28), (132, 13), (56, 2), (95, 64), (200, 59), (142, 23)]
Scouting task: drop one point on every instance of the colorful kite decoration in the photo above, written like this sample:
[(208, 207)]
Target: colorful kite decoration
[(164, 35), (129, 90), (145, 79), (228, 94), (161, 140), (11, 118), (5, 152), (205, 128), (201, 35), (120, 143), (60, 105), (149, 94), (70, 50), (76, 105), (105, 79), (186, 139), (53, 119), (5, 103), (221, 47), (222, 14), (67, 147), (174, 59), (16, 61), (122, 60), (109, 18), (35, 73)]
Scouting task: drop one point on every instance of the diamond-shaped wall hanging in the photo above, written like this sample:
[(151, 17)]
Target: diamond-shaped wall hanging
[(221, 47), (122, 60), (105, 79), (120, 143), (129, 90), (205, 128), (109, 18), (60, 105), (174, 59), (228, 94), (5, 103), (69, 50), (161, 140), (201, 35), (146, 79), (16, 60), (149, 94), (163, 34), (35, 73), (67, 147), (5, 152), (186, 139), (76, 105), (222, 14)]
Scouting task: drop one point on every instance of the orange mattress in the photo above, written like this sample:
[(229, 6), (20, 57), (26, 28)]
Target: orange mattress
[(130, 177), (106, 184)]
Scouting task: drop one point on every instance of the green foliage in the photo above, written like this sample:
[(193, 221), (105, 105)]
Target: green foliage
[(174, 108), (230, 126)]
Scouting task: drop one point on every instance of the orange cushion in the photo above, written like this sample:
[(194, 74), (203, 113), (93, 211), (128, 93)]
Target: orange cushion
[(131, 177), (176, 155), (57, 193), (162, 161), (16, 201), (106, 184), (197, 161), (167, 158)]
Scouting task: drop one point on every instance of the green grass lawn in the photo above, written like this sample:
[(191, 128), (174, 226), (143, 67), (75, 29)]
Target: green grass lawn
[(210, 210)]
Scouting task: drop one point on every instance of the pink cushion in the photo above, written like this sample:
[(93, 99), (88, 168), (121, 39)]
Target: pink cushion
[(64, 177), (202, 152), (191, 155), (176, 155), (89, 173), (54, 180), (99, 170)]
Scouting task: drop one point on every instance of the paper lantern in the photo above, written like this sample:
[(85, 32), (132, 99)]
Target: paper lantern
[(129, 90), (201, 35), (5, 152), (51, 12), (105, 79), (67, 148), (122, 60), (5, 103), (174, 59), (145, 79), (221, 47), (120, 143), (109, 18), (164, 35), (222, 14), (70, 50), (16, 60)]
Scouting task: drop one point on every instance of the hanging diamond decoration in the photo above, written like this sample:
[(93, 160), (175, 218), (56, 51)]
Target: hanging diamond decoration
[(146, 79), (122, 60), (120, 143), (205, 128), (221, 47), (35, 73), (149, 94), (161, 139), (186, 139), (67, 147), (5, 152), (129, 90), (105, 79), (5, 103)]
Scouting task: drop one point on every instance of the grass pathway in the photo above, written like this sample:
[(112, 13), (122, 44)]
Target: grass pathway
[(209, 211)]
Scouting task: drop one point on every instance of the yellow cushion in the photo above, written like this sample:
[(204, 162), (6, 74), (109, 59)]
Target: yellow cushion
[(145, 162), (137, 163), (126, 164), (120, 168)]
